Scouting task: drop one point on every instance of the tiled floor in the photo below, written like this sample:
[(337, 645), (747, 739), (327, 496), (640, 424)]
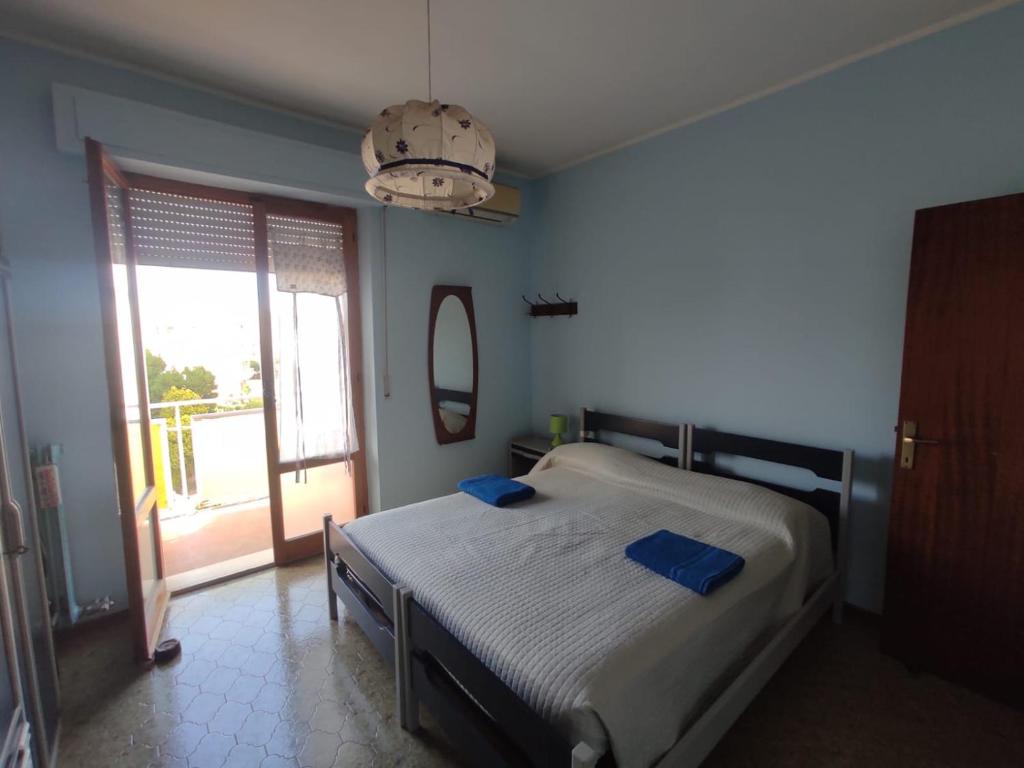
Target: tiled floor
[(213, 535), (266, 679)]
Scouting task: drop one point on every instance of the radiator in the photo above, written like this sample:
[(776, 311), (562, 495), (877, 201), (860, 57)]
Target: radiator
[(53, 535)]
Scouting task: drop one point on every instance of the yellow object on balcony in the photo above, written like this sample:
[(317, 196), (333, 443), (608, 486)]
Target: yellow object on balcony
[(160, 464)]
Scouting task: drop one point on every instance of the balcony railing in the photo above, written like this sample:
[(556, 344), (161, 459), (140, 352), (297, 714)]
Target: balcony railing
[(238, 435)]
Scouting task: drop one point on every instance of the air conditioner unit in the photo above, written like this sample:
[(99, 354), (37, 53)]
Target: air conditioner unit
[(501, 208)]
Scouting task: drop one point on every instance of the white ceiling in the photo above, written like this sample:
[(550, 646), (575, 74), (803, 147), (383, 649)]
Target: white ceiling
[(556, 80)]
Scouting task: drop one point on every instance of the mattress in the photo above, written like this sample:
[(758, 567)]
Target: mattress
[(607, 651)]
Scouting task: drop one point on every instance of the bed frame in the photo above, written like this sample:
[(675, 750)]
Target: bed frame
[(485, 719)]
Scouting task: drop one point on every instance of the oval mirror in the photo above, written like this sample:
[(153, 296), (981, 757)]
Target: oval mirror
[(453, 363)]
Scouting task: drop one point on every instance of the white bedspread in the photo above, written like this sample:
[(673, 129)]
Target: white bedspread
[(541, 592)]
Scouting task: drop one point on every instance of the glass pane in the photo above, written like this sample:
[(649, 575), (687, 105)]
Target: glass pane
[(126, 343), (314, 409), (309, 312), (310, 494), (135, 452), (312, 374), (147, 550), (202, 351)]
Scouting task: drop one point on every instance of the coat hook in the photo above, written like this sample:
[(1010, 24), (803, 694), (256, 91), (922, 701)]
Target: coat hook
[(545, 308)]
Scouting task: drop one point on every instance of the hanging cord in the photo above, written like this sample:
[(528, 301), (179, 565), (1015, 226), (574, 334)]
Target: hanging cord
[(384, 260), (430, 74), (346, 392), (300, 447)]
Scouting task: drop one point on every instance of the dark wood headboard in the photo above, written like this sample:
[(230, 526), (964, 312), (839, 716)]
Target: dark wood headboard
[(671, 436), (705, 445), (699, 448)]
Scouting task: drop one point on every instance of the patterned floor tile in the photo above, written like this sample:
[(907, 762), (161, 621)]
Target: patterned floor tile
[(263, 681), (325, 698)]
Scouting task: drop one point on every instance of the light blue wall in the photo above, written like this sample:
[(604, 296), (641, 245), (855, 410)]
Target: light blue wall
[(423, 251), (749, 272), (46, 232)]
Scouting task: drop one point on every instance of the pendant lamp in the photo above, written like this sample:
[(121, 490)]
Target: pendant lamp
[(428, 155)]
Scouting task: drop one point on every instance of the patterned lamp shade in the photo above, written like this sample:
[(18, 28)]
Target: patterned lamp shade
[(429, 155)]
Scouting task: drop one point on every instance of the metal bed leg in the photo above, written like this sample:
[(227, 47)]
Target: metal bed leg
[(584, 756), (332, 599), (408, 704), (845, 495)]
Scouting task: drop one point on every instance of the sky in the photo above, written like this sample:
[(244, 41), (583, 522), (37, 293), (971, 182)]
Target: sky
[(210, 318), (200, 317)]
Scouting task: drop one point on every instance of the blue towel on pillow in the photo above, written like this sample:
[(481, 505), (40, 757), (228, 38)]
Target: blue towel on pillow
[(698, 566), (496, 490)]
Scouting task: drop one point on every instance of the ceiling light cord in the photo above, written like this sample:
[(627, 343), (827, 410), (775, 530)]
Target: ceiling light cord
[(384, 264), (430, 76)]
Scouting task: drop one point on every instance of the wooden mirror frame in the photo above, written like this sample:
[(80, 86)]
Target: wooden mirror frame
[(437, 295)]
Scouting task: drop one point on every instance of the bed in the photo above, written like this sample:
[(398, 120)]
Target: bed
[(533, 641)]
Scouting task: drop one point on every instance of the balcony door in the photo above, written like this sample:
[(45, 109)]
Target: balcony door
[(129, 399), (304, 260), (308, 277)]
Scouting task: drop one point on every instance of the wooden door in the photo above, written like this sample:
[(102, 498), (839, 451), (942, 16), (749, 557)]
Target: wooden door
[(304, 489), (954, 600), (129, 399)]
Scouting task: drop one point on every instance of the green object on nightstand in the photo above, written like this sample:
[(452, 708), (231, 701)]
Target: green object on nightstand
[(558, 425)]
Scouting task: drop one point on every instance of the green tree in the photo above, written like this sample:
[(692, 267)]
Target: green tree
[(201, 381), (171, 385), (162, 379), (155, 365)]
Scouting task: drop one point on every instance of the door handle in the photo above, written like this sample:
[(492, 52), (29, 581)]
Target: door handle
[(14, 532), (909, 442)]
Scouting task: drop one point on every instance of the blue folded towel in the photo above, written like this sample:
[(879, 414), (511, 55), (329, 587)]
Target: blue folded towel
[(701, 567), (496, 490)]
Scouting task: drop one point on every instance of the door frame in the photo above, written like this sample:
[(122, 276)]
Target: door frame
[(147, 610), (289, 550)]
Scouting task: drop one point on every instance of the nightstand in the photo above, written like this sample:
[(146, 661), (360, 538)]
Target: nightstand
[(524, 452)]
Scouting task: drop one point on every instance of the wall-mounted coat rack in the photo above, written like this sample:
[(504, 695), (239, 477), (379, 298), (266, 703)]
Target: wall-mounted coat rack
[(545, 308)]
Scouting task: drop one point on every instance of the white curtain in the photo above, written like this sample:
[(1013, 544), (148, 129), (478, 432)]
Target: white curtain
[(315, 417)]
